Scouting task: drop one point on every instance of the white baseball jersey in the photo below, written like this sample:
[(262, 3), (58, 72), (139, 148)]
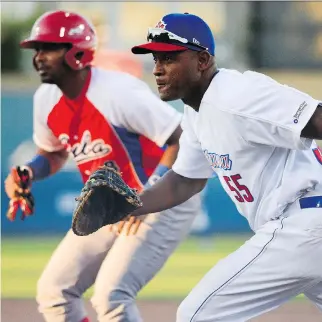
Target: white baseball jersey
[(116, 118), (248, 130)]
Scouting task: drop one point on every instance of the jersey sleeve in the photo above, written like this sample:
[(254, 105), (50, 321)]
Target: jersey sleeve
[(191, 162), (42, 135), (144, 113), (273, 114)]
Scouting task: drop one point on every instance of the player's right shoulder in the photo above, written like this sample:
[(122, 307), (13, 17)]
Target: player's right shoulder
[(45, 99), (47, 94)]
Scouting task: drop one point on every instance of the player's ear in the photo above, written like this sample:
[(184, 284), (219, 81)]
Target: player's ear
[(205, 60)]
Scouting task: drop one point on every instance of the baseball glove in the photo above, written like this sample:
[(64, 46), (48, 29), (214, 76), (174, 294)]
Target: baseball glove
[(23, 198), (104, 200)]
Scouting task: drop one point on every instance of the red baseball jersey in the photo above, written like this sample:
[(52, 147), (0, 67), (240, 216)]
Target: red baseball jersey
[(116, 119)]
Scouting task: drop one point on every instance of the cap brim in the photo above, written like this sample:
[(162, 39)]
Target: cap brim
[(27, 43), (155, 47), (32, 43)]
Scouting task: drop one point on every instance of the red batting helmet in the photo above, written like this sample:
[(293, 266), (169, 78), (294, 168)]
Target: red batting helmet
[(65, 28)]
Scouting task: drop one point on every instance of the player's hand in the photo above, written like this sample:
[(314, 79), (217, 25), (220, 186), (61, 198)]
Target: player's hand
[(130, 226), (11, 186), (17, 187)]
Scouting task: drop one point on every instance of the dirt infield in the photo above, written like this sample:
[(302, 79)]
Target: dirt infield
[(13, 310)]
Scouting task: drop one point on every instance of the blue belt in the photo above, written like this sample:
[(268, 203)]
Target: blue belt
[(311, 202)]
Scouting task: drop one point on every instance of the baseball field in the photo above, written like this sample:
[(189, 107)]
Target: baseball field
[(24, 258)]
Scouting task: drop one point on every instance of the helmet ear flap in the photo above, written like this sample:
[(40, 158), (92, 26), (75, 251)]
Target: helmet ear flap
[(87, 56), (75, 58)]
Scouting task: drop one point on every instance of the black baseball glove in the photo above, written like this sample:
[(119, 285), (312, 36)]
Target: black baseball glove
[(105, 199)]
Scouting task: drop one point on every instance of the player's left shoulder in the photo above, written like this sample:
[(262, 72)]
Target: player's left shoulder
[(116, 80), (108, 88), (225, 88), (246, 83), (238, 90)]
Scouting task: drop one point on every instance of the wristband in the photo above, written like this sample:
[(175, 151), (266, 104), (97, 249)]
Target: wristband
[(40, 167), (156, 175)]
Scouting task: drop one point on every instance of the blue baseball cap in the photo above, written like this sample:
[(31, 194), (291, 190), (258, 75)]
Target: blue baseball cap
[(178, 32)]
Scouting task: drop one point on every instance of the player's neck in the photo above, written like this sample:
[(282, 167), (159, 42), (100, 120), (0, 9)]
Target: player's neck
[(73, 83), (196, 94)]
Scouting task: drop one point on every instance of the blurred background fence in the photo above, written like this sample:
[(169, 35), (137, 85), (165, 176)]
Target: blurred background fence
[(282, 39)]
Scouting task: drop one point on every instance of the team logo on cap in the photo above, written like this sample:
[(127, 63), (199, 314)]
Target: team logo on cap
[(77, 30), (161, 24)]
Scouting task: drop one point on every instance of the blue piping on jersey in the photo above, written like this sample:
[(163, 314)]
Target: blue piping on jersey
[(132, 144)]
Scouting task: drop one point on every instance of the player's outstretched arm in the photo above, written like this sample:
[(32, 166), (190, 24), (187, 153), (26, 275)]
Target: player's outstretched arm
[(171, 190), (40, 167), (18, 182), (46, 163), (313, 129)]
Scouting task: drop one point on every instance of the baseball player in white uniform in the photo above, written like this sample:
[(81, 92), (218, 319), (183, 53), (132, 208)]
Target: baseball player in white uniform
[(258, 136), (100, 116)]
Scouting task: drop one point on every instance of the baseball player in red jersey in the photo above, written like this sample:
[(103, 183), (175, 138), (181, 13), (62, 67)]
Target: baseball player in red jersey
[(99, 116)]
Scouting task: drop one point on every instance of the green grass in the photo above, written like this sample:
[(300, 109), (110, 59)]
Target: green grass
[(23, 260)]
